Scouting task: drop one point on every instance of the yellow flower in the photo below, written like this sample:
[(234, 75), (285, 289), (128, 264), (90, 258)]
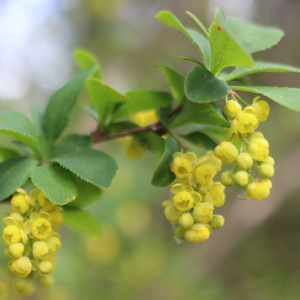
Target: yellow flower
[(182, 165), (226, 152), (11, 235), (217, 222), (45, 267), (227, 178), (245, 121), (16, 250), (258, 148), (268, 160), (56, 245), (203, 212), (197, 233), (205, 173), (186, 220), (144, 118), (241, 178), (132, 147), (24, 287), (244, 161), (41, 228), (262, 109), (257, 190), (56, 218), (39, 250), (172, 214), (231, 108), (20, 204), (21, 266), (183, 201), (266, 171), (217, 193), (44, 202)]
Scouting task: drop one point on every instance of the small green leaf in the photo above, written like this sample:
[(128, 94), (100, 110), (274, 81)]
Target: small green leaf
[(80, 221), (288, 97), (193, 60), (90, 110), (71, 144), (226, 51), (87, 193), (93, 166), (199, 40), (175, 81), (199, 23), (253, 37), (18, 126), (13, 174), (202, 86), (163, 114), (162, 175), (6, 153), (141, 100), (203, 114), (86, 59), (57, 183), (260, 67), (61, 104), (103, 98), (200, 139)]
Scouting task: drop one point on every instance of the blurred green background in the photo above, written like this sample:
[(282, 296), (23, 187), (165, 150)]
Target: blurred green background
[(256, 254)]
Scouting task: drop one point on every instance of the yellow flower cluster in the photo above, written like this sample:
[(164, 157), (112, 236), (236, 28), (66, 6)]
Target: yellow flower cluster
[(29, 237), (195, 195)]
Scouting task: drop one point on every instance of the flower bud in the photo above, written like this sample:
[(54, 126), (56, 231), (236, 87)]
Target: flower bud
[(241, 178), (56, 218), (245, 121), (21, 266), (179, 233), (39, 250), (186, 220), (203, 212), (226, 152), (183, 201), (217, 194), (268, 160), (204, 173), (217, 222), (144, 118), (45, 267), (266, 171), (20, 204), (244, 161), (11, 235), (24, 287), (262, 109), (172, 214), (258, 147), (231, 108), (16, 250), (227, 178), (197, 233), (43, 201), (257, 190)]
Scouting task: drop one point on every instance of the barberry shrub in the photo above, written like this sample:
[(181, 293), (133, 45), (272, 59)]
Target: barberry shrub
[(59, 176)]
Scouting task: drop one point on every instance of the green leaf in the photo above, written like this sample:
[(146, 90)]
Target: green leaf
[(200, 139), (103, 98), (163, 113), (141, 100), (90, 110), (162, 175), (199, 40), (201, 86), (93, 166), (57, 183), (13, 174), (253, 37), (288, 97), (203, 114), (87, 193), (260, 67), (199, 23), (6, 153), (226, 51), (18, 126), (86, 59), (175, 81), (71, 144), (80, 221), (61, 104), (193, 60)]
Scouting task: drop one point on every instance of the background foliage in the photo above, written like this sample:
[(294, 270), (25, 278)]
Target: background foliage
[(242, 260)]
